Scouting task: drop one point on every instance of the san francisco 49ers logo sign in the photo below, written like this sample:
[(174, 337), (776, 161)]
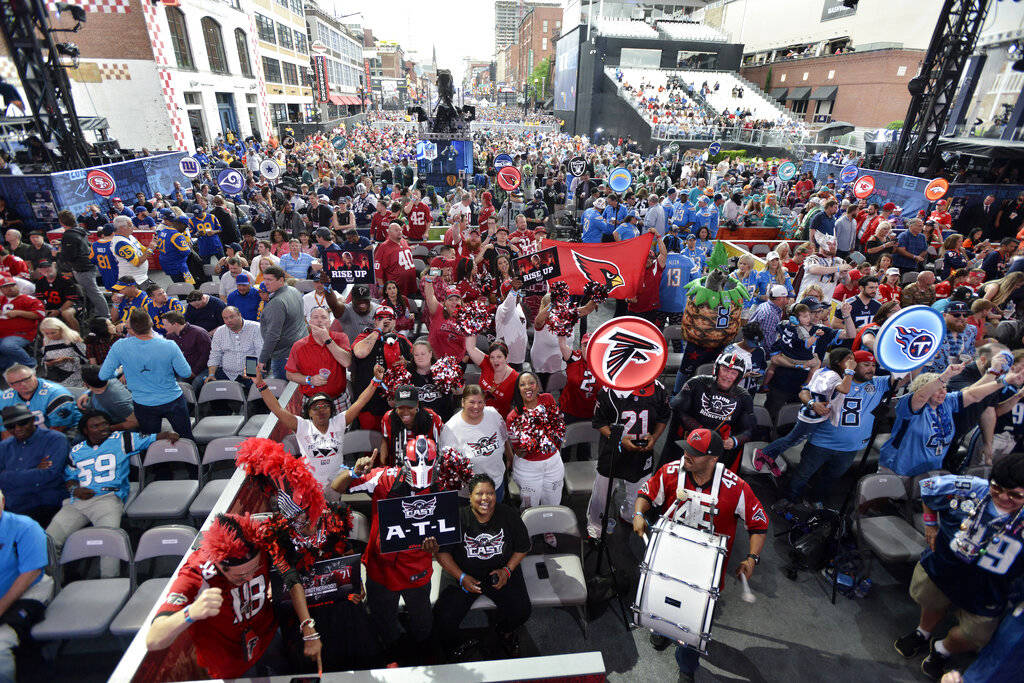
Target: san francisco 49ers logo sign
[(100, 182), (626, 353)]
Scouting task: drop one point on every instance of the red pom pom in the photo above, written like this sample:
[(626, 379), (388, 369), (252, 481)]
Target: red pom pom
[(595, 291), (395, 376), (448, 375), (562, 319), (453, 471), (559, 291), (538, 430), (473, 317)]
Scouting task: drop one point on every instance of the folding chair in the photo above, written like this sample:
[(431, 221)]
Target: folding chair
[(85, 608), (211, 288), (564, 584), (580, 475), (706, 369), (909, 277), (209, 428), (556, 382), (166, 499), (173, 540), (257, 411), (786, 418), (764, 423), (890, 537), (190, 398), (747, 460), (220, 450)]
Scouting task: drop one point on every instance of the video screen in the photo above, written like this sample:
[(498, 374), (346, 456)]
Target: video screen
[(567, 59)]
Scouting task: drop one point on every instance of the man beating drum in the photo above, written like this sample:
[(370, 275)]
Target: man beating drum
[(707, 497)]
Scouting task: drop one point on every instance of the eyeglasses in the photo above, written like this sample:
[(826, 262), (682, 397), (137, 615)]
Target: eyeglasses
[(12, 382), (958, 315), (1012, 494), (22, 423)]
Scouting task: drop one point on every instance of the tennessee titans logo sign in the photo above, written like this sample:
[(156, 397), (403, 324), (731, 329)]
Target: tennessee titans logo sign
[(917, 344)]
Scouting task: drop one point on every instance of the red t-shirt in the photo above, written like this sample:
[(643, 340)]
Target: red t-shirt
[(648, 294), (18, 326), (498, 396), (394, 571), (804, 189), (887, 292), (541, 453), (308, 358), (792, 267), (943, 289), (231, 641), (419, 221), (941, 217), (379, 223), (580, 393), (393, 261), (446, 339), (15, 264), (842, 292)]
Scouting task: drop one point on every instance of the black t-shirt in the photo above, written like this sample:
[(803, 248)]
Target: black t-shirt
[(431, 396), (635, 415), (863, 313), (486, 547), (320, 217), (54, 294)]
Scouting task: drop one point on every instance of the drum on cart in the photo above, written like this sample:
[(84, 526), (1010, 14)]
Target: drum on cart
[(679, 581)]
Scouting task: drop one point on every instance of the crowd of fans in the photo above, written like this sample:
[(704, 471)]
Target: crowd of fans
[(379, 356)]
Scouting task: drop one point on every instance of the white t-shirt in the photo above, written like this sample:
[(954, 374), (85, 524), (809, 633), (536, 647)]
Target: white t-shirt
[(322, 451), (827, 282), (822, 388), (483, 444), (311, 300), (545, 354)]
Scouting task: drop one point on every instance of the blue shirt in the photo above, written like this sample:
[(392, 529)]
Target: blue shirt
[(25, 486), (52, 404), (915, 244), (150, 366), (594, 226), (209, 316), (158, 312), (752, 282), (125, 306), (23, 549), (103, 256), (297, 267), (855, 417), (980, 586), (707, 218), (614, 216), (626, 231), (248, 304), (679, 270), (106, 468), (696, 255), (207, 230), (919, 440), (765, 280)]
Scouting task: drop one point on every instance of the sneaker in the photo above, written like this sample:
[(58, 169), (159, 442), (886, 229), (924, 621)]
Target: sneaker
[(760, 459), (685, 677), (934, 665), (911, 644), (774, 468), (659, 642), (510, 643)]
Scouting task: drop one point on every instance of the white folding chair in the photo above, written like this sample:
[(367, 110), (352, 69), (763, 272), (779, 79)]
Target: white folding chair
[(892, 538), (220, 450), (166, 499), (213, 426), (563, 584)]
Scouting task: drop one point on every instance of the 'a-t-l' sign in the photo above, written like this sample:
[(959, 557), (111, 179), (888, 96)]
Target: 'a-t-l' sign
[(404, 523)]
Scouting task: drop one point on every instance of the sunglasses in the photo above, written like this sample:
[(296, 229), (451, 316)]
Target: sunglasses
[(1012, 494), (959, 315), (21, 423)]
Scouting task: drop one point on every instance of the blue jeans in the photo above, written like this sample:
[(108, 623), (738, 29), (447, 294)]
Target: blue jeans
[(800, 431), (687, 659), (12, 350), (277, 363), (827, 463)]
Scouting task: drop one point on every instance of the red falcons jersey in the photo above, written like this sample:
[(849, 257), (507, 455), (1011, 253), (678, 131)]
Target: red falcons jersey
[(393, 261), (419, 221), (735, 500), (580, 393), (394, 571), (231, 641)]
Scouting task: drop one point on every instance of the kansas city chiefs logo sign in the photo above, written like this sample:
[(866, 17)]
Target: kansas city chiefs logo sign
[(600, 271), (626, 353)]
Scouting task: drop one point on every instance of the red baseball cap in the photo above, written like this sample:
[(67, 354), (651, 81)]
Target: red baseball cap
[(384, 312), (702, 442), (7, 280), (863, 356), (888, 206)]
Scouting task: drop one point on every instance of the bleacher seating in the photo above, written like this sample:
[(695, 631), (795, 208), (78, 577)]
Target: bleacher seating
[(626, 28), (688, 30), (753, 100)]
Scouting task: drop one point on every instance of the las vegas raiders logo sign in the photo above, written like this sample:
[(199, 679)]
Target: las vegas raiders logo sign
[(626, 353)]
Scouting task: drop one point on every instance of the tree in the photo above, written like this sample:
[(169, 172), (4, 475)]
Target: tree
[(541, 76)]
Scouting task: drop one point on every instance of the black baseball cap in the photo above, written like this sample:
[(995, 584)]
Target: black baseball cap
[(959, 307), (360, 293), (407, 395)]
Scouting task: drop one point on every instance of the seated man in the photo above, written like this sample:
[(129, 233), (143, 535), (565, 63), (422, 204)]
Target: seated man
[(32, 464), (110, 398), (204, 310), (19, 324), (52, 404), (158, 304), (128, 296), (98, 478), (245, 298), (24, 588), (232, 342), (59, 293)]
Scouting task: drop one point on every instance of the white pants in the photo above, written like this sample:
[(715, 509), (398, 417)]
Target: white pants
[(74, 514), (41, 591), (596, 507), (540, 481)]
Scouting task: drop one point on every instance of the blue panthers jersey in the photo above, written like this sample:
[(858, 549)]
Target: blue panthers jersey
[(105, 468), (157, 312), (855, 417), (679, 270), (983, 584), (594, 226), (52, 404), (103, 256), (125, 306)]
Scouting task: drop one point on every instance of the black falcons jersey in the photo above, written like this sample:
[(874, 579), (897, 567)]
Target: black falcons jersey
[(634, 414), (54, 294), (701, 403)]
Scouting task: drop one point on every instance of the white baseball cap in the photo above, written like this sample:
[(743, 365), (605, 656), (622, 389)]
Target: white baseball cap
[(772, 256), (599, 203), (776, 291)]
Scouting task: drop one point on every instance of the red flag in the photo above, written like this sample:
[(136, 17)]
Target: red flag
[(617, 265)]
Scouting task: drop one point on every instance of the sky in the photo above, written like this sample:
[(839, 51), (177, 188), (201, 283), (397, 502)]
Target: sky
[(458, 29)]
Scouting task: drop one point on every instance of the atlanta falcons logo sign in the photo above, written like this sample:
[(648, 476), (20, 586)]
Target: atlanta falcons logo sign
[(602, 272), (419, 508), (626, 353), (916, 343)]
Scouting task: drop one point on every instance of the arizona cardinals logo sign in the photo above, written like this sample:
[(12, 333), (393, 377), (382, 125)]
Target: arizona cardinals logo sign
[(597, 270), (626, 353)]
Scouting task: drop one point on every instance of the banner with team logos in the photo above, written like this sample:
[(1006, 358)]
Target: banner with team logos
[(617, 265), (326, 582), (404, 523)]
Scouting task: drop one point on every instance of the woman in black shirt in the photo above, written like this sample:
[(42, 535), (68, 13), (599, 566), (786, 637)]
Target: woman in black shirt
[(485, 562)]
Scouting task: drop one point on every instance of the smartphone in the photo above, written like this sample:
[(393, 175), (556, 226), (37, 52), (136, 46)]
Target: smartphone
[(434, 272), (252, 363), (542, 570)]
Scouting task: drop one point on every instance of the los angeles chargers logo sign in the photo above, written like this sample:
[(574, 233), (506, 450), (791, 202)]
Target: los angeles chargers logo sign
[(910, 339), (917, 344)]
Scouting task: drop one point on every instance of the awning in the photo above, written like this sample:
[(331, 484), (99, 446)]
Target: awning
[(779, 94), (349, 99), (799, 93), (825, 92), (336, 99)]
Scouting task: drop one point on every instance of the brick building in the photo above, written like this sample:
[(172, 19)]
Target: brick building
[(539, 28)]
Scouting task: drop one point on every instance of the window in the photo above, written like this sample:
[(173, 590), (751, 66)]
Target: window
[(545, 26), (283, 3), (194, 99), (214, 46), (278, 112), (271, 70), (543, 43), (297, 8), (799, 106), (901, 71), (250, 99), (242, 44), (824, 107), (806, 74), (300, 43), (831, 74), (284, 37), (782, 78), (290, 73), (265, 29), (179, 39)]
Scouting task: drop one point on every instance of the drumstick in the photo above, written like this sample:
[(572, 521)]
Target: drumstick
[(747, 595)]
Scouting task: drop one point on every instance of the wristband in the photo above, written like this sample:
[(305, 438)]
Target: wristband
[(306, 622), (309, 380), (460, 582), (930, 519), (799, 366), (261, 388), (850, 373), (508, 572), (638, 514), (312, 636), (328, 342), (378, 381), (188, 619)]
